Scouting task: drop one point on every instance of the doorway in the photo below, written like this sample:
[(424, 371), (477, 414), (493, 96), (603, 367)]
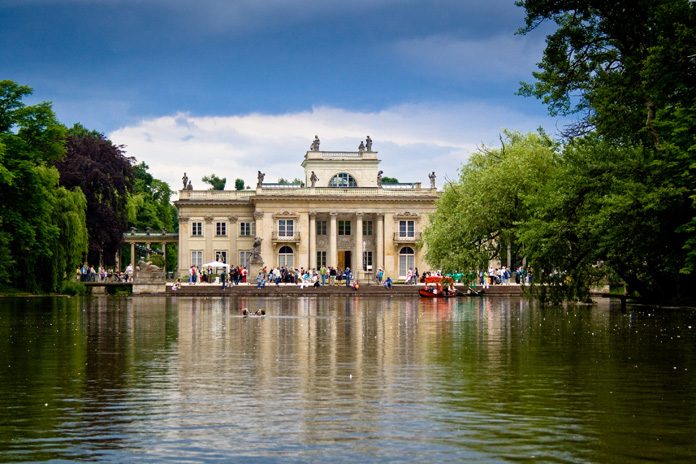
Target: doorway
[(344, 259)]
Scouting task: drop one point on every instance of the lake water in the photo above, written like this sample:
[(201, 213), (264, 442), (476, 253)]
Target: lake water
[(344, 379)]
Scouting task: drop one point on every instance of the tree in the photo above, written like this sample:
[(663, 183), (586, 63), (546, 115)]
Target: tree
[(41, 225), (631, 84), (477, 217), (105, 175), (215, 182), (295, 181), (390, 180), (239, 184)]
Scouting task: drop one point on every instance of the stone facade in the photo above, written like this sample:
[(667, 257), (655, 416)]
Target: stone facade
[(345, 219)]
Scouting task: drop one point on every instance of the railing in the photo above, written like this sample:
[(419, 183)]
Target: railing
[(271, 185), (244, 195), (405, 238), (402, 186), (276, 237)]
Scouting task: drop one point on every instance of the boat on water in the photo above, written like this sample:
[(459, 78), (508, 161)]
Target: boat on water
[(438, 287), (443, 287)]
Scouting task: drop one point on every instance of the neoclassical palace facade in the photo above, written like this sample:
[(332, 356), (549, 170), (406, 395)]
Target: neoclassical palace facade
[(343, 216)]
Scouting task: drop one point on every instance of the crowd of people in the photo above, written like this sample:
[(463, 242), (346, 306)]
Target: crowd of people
[(87, 273)]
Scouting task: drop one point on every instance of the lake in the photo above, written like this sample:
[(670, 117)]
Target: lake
[(345, 379)]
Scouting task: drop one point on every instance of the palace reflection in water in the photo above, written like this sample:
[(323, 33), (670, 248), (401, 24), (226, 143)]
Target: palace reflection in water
[(349, 379)]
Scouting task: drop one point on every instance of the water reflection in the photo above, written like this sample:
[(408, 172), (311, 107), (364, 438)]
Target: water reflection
[(346, 379)]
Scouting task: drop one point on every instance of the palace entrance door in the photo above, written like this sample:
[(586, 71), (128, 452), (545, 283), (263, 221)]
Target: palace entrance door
[(344, 259)]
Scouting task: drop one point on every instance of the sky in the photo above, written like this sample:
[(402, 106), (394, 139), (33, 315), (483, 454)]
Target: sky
[(234, 86)]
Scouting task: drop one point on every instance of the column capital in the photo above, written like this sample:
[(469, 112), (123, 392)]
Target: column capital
[(258, 215), (312, 214), (232, 218), (360, 215), (333, 214), (208, 219)]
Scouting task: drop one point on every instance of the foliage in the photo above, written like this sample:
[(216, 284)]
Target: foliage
[(295, 181), (215, 182), (239, 184), (105, 175), (149, 202), (624, 201), (74, 288), (390, 180), (479, 214), (41, 225)]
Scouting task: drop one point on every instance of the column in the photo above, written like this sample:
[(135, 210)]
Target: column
[(358, 247), (132, 255), (333, 253), (164, 255), (379, 242), (184, 251), (232, 232), (312, 240), (208, 233)]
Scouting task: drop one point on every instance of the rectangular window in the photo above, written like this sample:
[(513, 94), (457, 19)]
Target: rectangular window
[(247, 229), (221, 256), (367, 260), (321, 227), (197, 258), (245, 258), (196, 229), (321, 258), (343, 227), (221, 229), (286, 227), (367, 228), (407, 229)]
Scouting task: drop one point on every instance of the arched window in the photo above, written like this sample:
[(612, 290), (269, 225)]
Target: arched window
[(286, 257), (407, 260), (343, 179)]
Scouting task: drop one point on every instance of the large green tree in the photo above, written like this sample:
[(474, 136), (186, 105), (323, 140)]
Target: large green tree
[(477, 217), (105, 175), (42, 226), (216, 183), (626, 199)]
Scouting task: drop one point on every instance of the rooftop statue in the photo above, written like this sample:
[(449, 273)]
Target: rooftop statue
[(185, 180), (315, 144), (368, 144)]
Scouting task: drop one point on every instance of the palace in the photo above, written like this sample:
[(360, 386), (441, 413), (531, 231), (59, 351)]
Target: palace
[(342, 216)]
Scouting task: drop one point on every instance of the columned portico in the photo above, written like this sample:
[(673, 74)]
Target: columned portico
[(347, 217)]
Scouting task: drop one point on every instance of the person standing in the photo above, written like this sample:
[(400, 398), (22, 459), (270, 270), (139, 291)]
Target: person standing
[(347, 276)]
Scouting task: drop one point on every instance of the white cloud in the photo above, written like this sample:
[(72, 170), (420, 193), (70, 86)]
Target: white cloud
[(411, 139), (498, 57)]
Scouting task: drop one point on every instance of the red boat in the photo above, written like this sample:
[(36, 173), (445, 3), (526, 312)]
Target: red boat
[(438, 287)]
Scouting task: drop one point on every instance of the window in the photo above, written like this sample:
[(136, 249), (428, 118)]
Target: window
[(367, 261), (197, 258), (343, 227), (286, 227), (245, 258), (221, 256), (321, 258), (343, 179), (285, 257), (321, 227), (196, 229), (407, 261), (367, 228), (221, 229), (407, 229), (247, 229)]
